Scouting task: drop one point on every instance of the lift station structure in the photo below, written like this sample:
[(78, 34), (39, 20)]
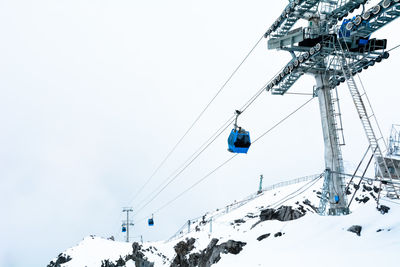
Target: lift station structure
[(334, 50)]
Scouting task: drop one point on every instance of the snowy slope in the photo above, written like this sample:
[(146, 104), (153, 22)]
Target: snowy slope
[(311, 240)]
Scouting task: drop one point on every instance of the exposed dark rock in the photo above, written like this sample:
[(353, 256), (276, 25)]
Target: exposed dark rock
[(239, 221), (379, 230), (232, 246), (137, 256), (284, 213), (356, 186), (208, 256), (308, 203), (376, 189), (268, 214), (261, 237), (251, 215), (182, 249), (278, 234), (62, 258), (348, 192), (194, 259), (363, 200), (355, 229), (383, 209), (107, 263), (301, 209), (366, 187)]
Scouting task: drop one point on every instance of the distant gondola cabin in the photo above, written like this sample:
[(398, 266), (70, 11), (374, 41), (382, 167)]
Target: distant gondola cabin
[(123, 229), (151, 222)]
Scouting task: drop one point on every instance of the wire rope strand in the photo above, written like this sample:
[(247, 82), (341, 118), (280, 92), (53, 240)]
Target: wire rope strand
[(226, 161), (197, 119), (181, 171), (244, 108), (198, 151), (393, 48)]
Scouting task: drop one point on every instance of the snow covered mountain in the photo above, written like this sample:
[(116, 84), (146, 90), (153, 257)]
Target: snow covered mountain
[(278, 227)]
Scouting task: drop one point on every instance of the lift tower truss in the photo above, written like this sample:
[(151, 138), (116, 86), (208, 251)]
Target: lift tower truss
[(334, 49)]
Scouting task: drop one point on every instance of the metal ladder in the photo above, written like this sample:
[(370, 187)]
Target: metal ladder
[(337, 118), (381, 165), (336, 125)]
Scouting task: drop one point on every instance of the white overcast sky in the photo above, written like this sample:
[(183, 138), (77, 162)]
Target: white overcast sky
[(94, 94)]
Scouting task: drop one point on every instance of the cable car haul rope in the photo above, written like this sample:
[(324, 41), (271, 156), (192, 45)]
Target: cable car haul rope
[(226, 161), (239, 140)]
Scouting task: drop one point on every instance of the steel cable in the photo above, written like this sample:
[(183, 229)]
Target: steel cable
[(195, 121), (226, 161)]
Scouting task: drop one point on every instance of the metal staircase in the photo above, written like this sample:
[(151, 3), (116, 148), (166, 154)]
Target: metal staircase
[(366, 118)]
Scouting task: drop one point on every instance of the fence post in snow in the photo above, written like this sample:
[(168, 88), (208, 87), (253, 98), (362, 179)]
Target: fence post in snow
[(260, 185), (188, 226)]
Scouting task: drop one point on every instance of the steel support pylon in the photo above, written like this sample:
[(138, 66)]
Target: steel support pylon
[(333, 193)]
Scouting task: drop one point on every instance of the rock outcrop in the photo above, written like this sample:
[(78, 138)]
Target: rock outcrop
[(62, 258), (182, 249), (284, 213), (206, 257), (355, 229), (383, 209), (261, 237), (137, 256)]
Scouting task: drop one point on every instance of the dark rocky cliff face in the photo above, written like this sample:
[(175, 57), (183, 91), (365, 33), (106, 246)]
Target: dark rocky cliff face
[(284, 213), (206, 257), (137, 256), (62, 258)]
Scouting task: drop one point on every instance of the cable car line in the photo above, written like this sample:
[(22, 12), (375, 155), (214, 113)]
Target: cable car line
[(212, 138), (190, 159), (197, 119), (393, 48), (228, 160), (297, 192), (177, 175)]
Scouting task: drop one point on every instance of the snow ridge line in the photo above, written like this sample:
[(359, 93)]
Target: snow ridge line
[(236, 205)]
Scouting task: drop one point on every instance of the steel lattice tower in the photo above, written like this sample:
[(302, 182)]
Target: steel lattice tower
[(334, 49)]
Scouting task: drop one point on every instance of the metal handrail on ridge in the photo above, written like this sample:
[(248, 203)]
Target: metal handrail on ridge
[(239, 204)]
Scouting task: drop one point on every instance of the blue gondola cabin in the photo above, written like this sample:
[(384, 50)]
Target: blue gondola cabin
[(151, 222), (239, 141), (123, 229)]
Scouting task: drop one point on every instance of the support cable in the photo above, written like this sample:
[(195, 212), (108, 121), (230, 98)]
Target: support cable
[(297, 192), (359, 183), (196, 120), (203, 147), (191, 158), (225, 162), (355, 172), (393, 48)]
